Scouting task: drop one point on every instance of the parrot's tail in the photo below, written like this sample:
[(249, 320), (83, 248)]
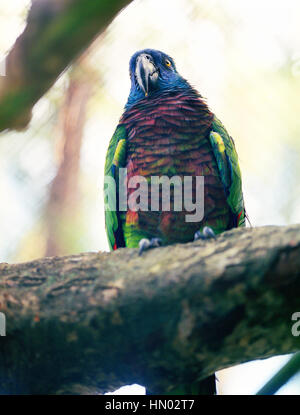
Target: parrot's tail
[(205, 387)]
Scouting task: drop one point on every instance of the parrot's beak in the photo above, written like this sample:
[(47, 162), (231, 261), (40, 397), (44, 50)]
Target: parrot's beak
[(146, 72)]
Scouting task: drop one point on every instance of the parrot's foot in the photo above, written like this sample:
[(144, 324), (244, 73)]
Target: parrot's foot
[(207, 233), (146, 244)]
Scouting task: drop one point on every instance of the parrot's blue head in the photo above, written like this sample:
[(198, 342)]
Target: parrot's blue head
[(152, 72)]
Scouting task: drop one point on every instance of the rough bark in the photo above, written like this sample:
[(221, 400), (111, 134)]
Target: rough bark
[(57, 32), (96, 321)]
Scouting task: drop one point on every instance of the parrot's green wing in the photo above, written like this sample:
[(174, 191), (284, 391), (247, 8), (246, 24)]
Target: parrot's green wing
[(115, 159), (228, 165)]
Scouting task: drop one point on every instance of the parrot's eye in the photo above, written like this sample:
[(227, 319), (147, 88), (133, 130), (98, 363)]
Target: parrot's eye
[(168, 63)]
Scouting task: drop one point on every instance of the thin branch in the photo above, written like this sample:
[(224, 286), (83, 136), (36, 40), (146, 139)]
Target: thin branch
[(283, 376)]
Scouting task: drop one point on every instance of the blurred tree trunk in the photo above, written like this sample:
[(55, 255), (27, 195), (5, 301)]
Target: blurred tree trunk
[(64, 192)]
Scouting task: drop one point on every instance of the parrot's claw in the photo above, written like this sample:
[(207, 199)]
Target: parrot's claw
[(146, 244), (207, 233)]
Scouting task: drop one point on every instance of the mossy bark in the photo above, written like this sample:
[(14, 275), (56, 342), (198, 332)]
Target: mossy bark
[(93, 322), (57, 32)]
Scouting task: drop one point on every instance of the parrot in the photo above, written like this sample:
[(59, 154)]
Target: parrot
[(167, 130)]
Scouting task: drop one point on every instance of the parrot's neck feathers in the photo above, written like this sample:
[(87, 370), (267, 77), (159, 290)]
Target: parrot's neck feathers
[(182, 85)]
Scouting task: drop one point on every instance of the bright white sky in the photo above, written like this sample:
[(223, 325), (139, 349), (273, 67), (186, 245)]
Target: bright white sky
[(259, 30)]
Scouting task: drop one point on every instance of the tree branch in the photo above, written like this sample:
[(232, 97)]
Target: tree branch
[(57, 32), (94, 322), (284, 375)]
